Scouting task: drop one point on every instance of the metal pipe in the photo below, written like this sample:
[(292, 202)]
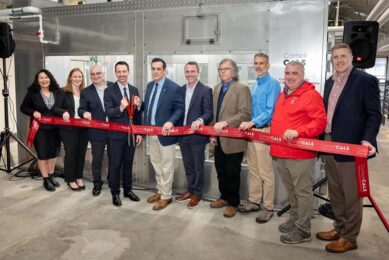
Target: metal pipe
[(383, 18), (337, 13), (335, 29), (21, 10), (378, 9)]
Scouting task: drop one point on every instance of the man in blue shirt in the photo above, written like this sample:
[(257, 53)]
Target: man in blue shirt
[(261, 178)]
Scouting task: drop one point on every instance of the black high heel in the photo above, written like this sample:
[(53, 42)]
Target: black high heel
[(73, 189)]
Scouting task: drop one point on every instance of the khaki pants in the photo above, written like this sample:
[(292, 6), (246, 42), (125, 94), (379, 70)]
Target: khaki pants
[(162, 159), (261, 177), (297, 177)]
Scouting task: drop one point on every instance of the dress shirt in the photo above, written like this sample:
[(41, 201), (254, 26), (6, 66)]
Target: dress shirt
[(159, 88), (266, 91), (337, 88), (188, 97)]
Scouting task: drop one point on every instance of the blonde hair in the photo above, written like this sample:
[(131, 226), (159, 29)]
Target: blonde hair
[(68, 87)]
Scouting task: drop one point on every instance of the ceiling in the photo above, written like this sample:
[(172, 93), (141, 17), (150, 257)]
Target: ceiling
[(349, 10)]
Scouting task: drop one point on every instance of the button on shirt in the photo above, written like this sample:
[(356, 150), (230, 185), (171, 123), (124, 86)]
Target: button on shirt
[(188, 97), (337, 88), (159, 88), (266, 91)]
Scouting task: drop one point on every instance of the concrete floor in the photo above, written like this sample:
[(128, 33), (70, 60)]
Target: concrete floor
[(35, 224)]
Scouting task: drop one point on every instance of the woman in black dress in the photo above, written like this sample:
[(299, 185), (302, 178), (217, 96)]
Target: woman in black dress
[(75, 139), (38, 102)]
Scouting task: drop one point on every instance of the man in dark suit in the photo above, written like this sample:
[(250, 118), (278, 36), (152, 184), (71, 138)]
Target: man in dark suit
[(121, 146), (164, 107), (92, 107), (352, 101), (198, 112)]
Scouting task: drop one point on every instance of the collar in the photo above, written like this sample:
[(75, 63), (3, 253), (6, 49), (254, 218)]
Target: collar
[(263, 79), (227, 84), (122, 86), (187, 85), (161, 82), (339, 77)]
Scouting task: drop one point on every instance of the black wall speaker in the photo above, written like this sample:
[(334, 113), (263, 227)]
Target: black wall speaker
[(7, 44), (362, 37)]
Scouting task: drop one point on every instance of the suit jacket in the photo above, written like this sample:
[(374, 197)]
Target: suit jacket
[(235, 109), (33, 101), (170, 107), (90, 102), (112, 99), (200, 107), (357, 114), (64, 103)]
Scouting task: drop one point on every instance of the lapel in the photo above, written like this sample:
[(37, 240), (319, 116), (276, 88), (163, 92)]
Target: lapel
[(162, 95), (347, 87), (70, 99), (118, 92), (96, 96), (228, 95), (216, 97), (40, 100), (196, 92)]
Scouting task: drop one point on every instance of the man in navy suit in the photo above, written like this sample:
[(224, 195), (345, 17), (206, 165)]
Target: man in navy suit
[(92, 107), (198, 112), (352, 101), (121, 146), (164, 107)]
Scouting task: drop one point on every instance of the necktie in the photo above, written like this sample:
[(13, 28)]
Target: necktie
[(224, 88), (125, 92), (151, 104)]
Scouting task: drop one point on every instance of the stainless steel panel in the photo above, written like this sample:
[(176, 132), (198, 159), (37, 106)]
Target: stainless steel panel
[(242, 28), (154, 27), (297, 32)]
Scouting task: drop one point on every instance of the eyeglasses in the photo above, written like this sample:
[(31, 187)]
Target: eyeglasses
[(223, 69), (95, 74)]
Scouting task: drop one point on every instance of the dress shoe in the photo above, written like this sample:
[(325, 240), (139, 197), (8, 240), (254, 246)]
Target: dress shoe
[(132, 196), (73, 188), (230, 212), (152, 199), (218, 204), (53, 180), (161, 204), (340, 246), (96, 190), (48, 185), (328, 235), (116, 200), (186, 196), (194, 201)]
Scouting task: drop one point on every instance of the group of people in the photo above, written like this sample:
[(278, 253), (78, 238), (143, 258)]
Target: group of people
[(348, 112)]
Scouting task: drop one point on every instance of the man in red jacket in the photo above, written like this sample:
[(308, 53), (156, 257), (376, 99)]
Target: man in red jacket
[(299, 112)]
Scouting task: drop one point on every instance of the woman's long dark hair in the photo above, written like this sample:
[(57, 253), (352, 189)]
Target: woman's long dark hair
[(53, 83)]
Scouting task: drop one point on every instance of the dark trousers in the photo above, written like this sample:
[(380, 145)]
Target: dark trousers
[(193, 156), (121, 157), (75, 141), (228, 168), (98, 149)]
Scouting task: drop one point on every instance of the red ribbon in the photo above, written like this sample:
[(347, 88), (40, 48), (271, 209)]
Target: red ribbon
[(360, 152)]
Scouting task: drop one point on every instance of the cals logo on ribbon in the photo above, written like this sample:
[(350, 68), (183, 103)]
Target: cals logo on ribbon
[(342, 147)]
